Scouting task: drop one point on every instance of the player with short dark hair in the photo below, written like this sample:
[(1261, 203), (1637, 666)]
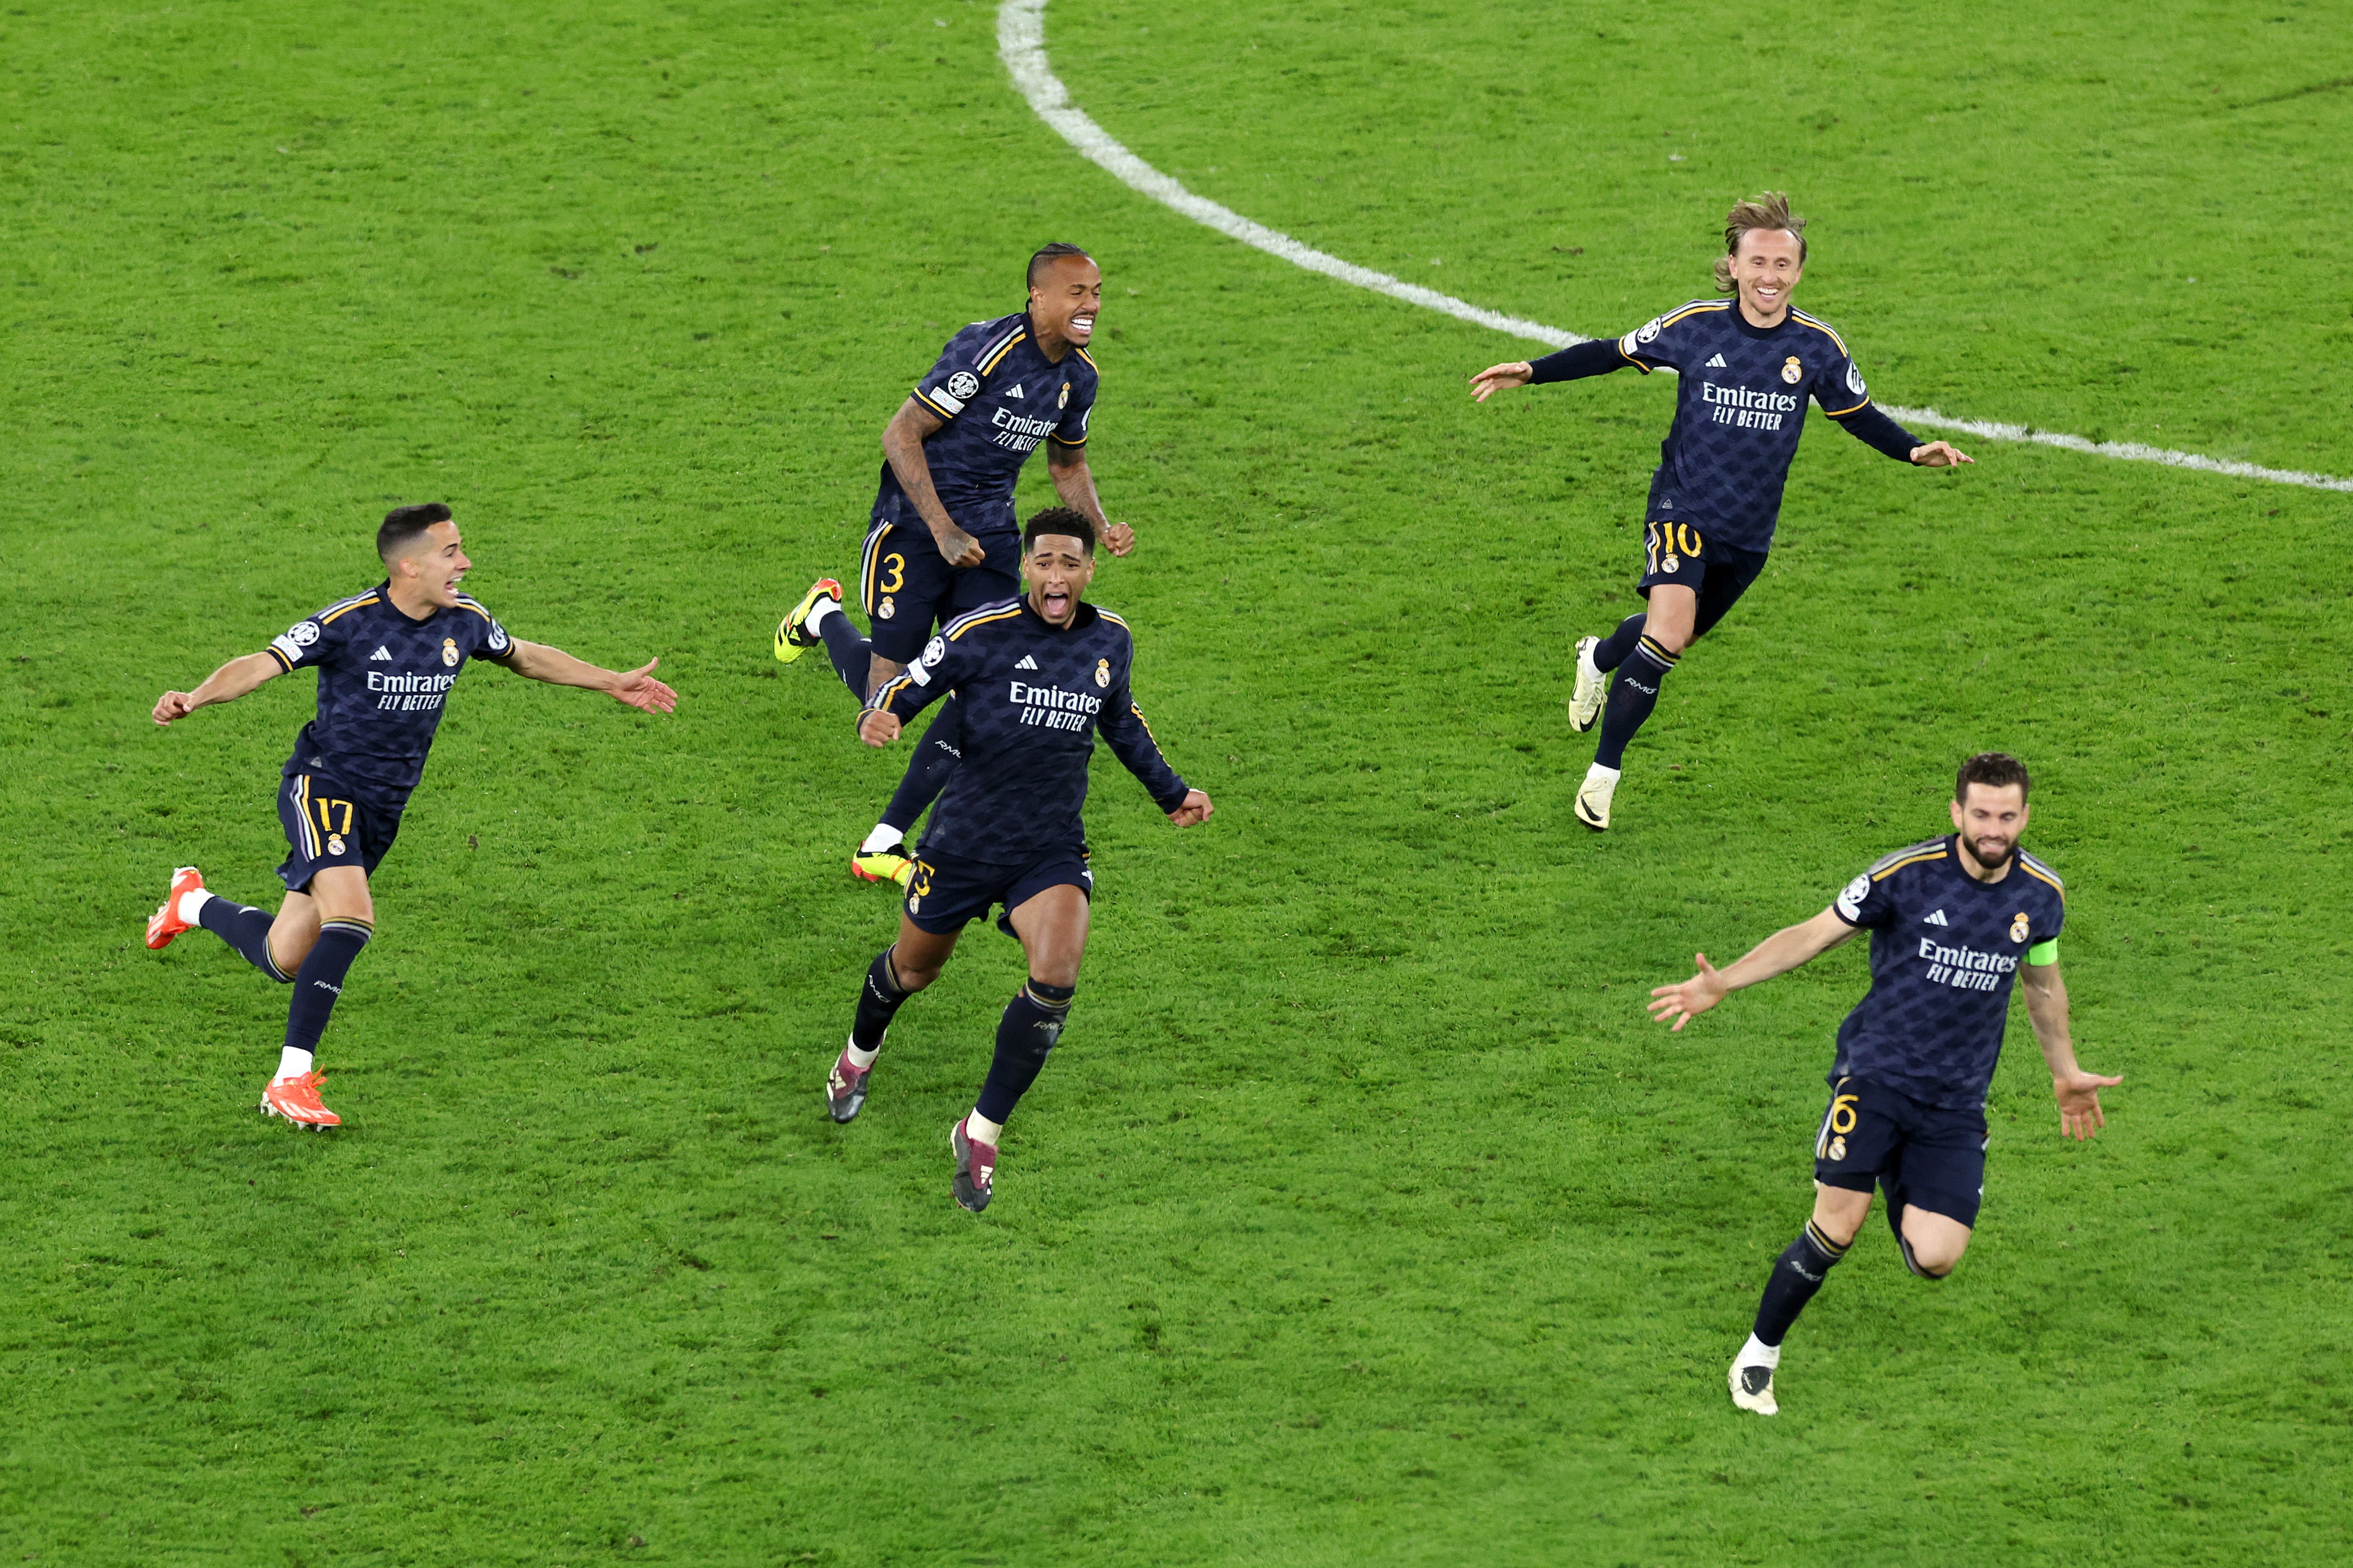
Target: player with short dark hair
[(944, 538), (1953, 922), (1747, 366), (386, 659), (1037, 677)]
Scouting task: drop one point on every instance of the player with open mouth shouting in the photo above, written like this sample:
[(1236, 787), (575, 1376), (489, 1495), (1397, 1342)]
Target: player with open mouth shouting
[(1748, 364), (1037, 677), (386, 659)]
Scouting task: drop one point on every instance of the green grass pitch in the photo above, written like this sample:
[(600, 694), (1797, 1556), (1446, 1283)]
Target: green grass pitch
[(1363, 1217)]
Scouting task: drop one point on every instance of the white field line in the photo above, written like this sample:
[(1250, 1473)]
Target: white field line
[(1021, 44)]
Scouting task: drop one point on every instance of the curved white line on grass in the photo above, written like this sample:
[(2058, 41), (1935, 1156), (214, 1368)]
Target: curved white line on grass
[(1021, 44)]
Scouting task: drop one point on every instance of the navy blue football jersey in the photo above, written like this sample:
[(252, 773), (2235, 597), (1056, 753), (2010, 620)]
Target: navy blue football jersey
[(1000, 397), (382, 679), (1740, 406), (1945, 952), (1033, 695)]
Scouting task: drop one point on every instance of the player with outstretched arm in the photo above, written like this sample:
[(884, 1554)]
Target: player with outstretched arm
[(1037, 677), (1953, 922), (386, 659), (1747, 366), (945, 538)]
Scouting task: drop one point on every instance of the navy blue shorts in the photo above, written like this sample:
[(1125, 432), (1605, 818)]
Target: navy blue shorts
[(327, 824), (906, 589), (1919, 1154), (947, 890), (1679, 552)]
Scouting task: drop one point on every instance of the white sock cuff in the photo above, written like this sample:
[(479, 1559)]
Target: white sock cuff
[(825, 606), (860, 1060), (884, 836), (292, 1062), (192, 901), (1597, 771), (1757, 1352), (981, 1130)]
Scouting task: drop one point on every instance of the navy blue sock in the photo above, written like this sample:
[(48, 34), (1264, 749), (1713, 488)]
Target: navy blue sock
[(936, 758), (321, 980), (850, 653), (244, 928), (1611, 651), (1798, 1273), (1632, 697), (1032, 1022), (879, 1001)]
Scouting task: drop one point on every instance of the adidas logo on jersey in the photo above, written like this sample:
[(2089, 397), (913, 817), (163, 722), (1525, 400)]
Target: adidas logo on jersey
[(381, 652), (1026, 663), (1014, 390), (1717, 363), (1937, 919)]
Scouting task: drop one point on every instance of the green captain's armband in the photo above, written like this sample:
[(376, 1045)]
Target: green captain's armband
[(2044, 951)]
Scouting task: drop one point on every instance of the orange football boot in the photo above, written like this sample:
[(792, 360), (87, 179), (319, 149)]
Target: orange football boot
[(297, 1099), (166, 924)]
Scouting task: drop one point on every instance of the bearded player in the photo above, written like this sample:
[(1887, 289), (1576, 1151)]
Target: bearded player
[(944, 538), (1954, 921), (1748, 364), (386, 659)]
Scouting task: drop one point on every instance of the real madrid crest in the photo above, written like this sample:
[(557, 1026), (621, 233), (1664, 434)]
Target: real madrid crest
[(449, 652), (886, 609), (1103, 675), (2018, 927), (334, 843), (1063, 400), (1792, 372), (1837, 1150)]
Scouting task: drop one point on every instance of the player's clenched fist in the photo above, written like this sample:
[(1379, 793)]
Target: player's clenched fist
[(877, 728), (1196, 810), (173, 705)]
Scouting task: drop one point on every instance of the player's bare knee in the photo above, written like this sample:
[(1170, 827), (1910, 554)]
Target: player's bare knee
[(1840, 1212)]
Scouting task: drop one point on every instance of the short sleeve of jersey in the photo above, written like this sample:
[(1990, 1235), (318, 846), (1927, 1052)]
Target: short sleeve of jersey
[(314, 640), (1665, 340), (1073, 430), (1865, 902), (955, 379)]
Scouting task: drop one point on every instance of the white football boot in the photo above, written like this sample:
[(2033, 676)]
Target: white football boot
[(1592, 689), (1594, 795), (1751, 1378)]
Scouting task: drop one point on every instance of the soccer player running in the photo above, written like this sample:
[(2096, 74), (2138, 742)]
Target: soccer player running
[(1747, 366), (1037, 676), (1952, 921), (386, 659), (945, 538)]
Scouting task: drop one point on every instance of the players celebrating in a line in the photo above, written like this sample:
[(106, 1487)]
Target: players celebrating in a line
[(945, 538), (1747, 366), (386, 659), (1952, 921), (1037, 678)]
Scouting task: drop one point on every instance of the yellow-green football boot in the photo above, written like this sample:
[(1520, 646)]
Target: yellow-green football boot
[(792, 633)]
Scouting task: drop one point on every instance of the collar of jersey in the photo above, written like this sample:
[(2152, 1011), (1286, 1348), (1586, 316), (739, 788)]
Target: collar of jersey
[(1085, 618), (1750, 329), (384, 591)]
